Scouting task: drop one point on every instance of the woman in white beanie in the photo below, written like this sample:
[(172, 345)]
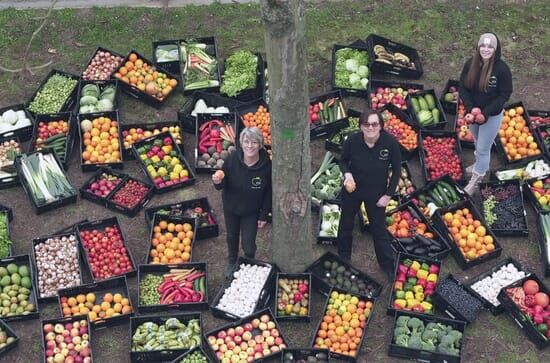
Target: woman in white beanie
[(486, 83)]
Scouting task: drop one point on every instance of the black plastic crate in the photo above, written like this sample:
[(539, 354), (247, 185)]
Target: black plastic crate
[(251, 93), (146, 128), (425, 355), (335, 147), (509, 231), (226, 119), (494, 309), (10, 333), (10, 181), (340, 356), (211, 99), (541, 134), (135, 92), (180, 358), (113, 116), (414, 116), (393, 69), (317, 131), (40, 240), (521, 318), (402, 115), (113, 286), (85, 194), (70, 136), (543, 245), (174, 66), (362, 46), (391, 310), (69, 103), (292, 276), (241, 322), (191, 178), (461, 260), (452, 307), (41, 208), (439, 134), (263, 297), (449, 107), (165, 354), (102, 86), (8, 211), (530, 193), (243, 109), (390, 87), (303, 353), (158, 269), (101, 49), (171, 219), (23, 260), (326, 240), (130, 212), (535, 114), (102, 224), (10, 246), (23, 133), (318, 275), (66, 320), (211, 229)]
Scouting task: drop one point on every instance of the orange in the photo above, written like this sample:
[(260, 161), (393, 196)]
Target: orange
[(133, 57), (163, 224), (126, 309), (125, 302), (480, 231), (105, 305), (72, 301), (187, 227)]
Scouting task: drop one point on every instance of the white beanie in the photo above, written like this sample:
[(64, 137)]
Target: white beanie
[(488, 38)]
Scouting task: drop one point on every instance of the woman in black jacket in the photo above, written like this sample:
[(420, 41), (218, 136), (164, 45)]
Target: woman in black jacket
[(246, 193), (485, 83)]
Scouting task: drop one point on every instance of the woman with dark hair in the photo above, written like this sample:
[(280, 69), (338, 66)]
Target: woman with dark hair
[(486, 83), (365, 162)]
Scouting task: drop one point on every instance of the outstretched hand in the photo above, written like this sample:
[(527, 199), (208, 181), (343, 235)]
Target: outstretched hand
[(261, 224)]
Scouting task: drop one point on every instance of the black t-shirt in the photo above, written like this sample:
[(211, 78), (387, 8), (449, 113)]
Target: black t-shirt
[(370, 166)]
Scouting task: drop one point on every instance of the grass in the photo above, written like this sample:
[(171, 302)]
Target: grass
[(444, 32)]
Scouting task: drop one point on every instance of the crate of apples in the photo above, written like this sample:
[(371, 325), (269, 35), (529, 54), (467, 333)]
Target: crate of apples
[(515, 136), (293, 296), (67, 340)]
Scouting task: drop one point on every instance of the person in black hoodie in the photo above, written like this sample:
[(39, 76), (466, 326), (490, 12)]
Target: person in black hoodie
[(245, 181), (486, 83), (365, 163)]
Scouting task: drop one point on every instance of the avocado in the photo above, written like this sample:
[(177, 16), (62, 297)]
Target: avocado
[(341, 269), (334, 265), (12, 268), (430, 101), (423, 104), (332, 281), (354, 289)]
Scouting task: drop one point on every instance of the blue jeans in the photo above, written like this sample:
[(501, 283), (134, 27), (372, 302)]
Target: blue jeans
[(484, 136)]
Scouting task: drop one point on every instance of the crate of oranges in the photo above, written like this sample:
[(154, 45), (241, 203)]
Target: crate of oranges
[(141, 79), (256, 114), (106, 303), (516, 139), (99, 142), (172, 239), (472, 241)]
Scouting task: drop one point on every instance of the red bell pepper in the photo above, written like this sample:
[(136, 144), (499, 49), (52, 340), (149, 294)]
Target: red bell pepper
[(401, 277), (411, 272), (434, 269), (418, 308), (422, 282), (402, 268)]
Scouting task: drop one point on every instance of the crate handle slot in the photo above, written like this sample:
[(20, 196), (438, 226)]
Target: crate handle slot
[(450, 314), (392, 72), (7, 180), (518, 323)]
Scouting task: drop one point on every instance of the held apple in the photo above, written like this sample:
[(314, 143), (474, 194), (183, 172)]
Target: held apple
[(476, 111), (469, 118)]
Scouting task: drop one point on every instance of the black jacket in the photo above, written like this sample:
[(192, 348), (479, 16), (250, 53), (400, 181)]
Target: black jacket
[(370, 167), (498, 92), (246, 189)]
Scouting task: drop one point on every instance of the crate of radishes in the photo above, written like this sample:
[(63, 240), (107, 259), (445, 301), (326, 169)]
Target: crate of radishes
[(330, 271), (16, 279), (462, 126), (335, 141), (207, 225), (66, 338), (163, 163), (293, 297), (172, 287), (387, 56), (102, 65), (449, 97), (172, 239), (538, 118), (216, 139), (472, 241), (130, 133), (55, 131), (248, 290), (161, 338), (440, 153), (527, 302), (503, 209), (329, 221), (10, 147), (327, 114), (260, 327), (384, 92), (9, 338), (487, 285), (101, 185), (106, 303), (414, 284), (454, 299), (97, 96), (345, 315), (397, 124), (56, 260), (543, 229), (105, 249), (16, 120), (57, 93), (427, 338), (297, 355)]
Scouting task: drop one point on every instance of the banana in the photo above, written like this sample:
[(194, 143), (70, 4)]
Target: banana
[(378, 48), (383, 60), (387, 57), (401, 56)]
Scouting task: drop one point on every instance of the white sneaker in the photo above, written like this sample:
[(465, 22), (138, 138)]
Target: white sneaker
[(472, 184), (469, 169)]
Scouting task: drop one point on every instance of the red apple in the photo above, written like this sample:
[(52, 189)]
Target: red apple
[(239, 330), (250, 359), (469, 118), (265, 318), (231, 332), (231, 345), (248, 327), (274, 332), (259, 339), (262, 326), (223, 348), (479, 118), (278, 341), (266, 333), (258, 355), (243, 345), (219, 355), (274, 349), (476, 111), (247, 336), (228, 339), (258, 348), (222, 334), (238, 339), (251, 343), (250, 351), (255, 323)]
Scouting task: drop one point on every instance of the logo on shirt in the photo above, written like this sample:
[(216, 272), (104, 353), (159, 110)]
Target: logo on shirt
[(256, 182), (384, 153), (492, 82)]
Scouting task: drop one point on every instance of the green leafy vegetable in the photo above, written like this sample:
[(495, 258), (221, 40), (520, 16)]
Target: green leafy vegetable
[(351, 68), (240, 73), (5, 241)]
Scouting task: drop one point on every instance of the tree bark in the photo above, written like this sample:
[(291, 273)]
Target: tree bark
[(285, 44)]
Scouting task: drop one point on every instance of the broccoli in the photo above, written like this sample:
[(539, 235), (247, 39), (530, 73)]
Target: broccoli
[(415, 342), (402, 321), (402, 340), (428, 345), (457, 336), (448, 340), (416, 325), (432, 326), (429, 336), (445, 349), (401, 330)]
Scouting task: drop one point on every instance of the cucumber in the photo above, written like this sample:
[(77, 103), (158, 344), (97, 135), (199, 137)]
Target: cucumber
[(55, 137), (436, 197), (443, 195), (451, 190), (202, 284), (196, 285)]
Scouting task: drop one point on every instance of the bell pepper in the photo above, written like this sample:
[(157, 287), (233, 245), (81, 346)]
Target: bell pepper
[(415, 265), (407, 262), (422, 274), (412, 280), (400, 294), (402, 268), (430, 285), (426, 305), (411, 303), (409, 295), (411, 272), (422, 282), (419, 296), (397, 285), (399, 304), (408, 287), (418, 288), (401, 277), (418, 308), (434, 269), (427, 298), (432, 278), (425, 266), (428, 292)]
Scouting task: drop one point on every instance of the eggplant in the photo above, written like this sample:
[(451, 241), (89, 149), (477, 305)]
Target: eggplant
[(406, 241), (421, 251), (425, 241)]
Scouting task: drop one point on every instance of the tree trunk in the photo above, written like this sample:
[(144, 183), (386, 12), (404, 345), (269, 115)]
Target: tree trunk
[(286, 47)]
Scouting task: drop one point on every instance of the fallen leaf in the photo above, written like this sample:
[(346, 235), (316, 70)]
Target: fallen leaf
[(52, 50), (79, 45)]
